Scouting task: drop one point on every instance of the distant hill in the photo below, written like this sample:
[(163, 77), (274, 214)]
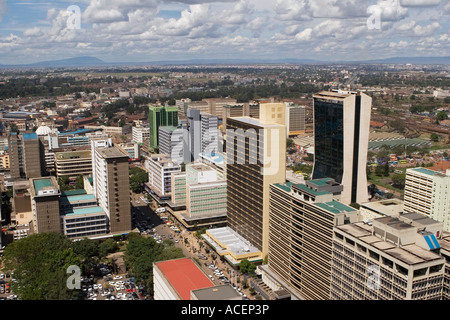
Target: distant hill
[(88, 61), (71, 62), (413, 60)]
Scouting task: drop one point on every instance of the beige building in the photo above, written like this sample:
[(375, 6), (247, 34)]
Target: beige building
[(73, 163), (389, 259), (4, 161), (256, 159), (301, 226)]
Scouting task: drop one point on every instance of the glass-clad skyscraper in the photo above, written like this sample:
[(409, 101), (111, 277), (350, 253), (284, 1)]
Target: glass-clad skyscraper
[(160, 116), (341, 138)]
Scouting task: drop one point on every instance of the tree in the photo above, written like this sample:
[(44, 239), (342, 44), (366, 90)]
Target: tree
[(138, 177), (441, 115), (398, 180), (290, 143), (434, 137), (106, 247), (14, 128), (386, 169), (141, 253), (40, 262), (246, 266)]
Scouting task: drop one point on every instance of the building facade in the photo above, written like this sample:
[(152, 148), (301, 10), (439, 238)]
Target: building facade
[(300, 238), (428, 192), (341, 138), (255, 159), (73, 163), (45, 194), (160, 116), (160, 168), (389, 259), (26, 156), (112, 187)]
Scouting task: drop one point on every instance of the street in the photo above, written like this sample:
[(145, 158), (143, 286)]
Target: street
[(147, 219)]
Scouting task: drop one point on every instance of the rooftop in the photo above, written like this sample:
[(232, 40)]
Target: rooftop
[(73, 192), (256, 122), (29, 136), (84, 211), (184, 276), (41, 184), (76, 198), (66, 155), (223, 292), (216, 158), (229, 240), (410, 254), (310, 191), (320, 182), (424, 170), (112, 152), (335, 207)]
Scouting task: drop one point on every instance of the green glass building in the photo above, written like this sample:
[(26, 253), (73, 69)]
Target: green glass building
[(160, 116)]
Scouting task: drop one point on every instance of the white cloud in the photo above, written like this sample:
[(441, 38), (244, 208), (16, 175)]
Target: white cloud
[(305, 35), (33, 32), (109, 11), (420, 3), (411, 28), (424, 31), (135, 29)]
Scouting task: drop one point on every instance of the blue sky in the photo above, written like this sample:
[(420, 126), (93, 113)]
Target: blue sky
[(153, 30)]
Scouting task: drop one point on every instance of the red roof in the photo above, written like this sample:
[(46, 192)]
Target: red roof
[(185, 276)]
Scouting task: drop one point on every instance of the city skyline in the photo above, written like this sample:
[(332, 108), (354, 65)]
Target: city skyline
[(145, 31)]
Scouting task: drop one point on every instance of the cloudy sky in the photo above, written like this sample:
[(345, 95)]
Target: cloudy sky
[(154, 30)]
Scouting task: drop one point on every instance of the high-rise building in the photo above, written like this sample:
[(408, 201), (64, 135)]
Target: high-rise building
[(255, 159), (428, 192), (112, 187), (390, 258), (160, 116), (195, 134), (171, 143), (45, 194), (26, 156), (210, 134), (301, 222), (341, 138)]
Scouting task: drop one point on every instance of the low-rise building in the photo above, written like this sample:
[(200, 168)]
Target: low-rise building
[(176, 279)]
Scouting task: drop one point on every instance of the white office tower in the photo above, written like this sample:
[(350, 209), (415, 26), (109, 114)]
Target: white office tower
[(210, 134), (95, 144)]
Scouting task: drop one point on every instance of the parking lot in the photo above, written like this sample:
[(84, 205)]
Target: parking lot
[(5, 287)]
